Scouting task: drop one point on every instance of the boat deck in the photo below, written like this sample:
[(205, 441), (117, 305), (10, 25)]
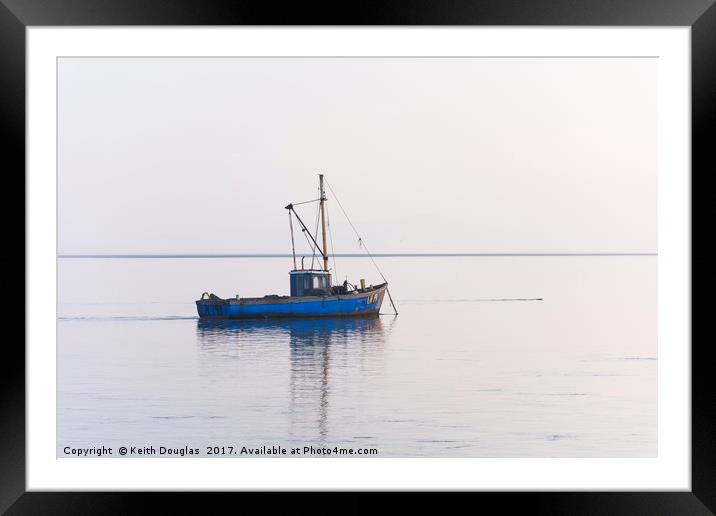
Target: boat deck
[(363, 302), (273, 299)]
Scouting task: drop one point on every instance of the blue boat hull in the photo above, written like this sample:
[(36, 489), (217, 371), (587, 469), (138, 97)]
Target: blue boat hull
[(361, 304)]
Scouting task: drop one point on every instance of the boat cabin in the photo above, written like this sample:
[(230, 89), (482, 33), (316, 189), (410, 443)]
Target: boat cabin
[(309, 282)]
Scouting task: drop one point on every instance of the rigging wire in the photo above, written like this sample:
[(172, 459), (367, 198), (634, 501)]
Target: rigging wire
[(330, 237), (361, 243), (315, 231), (293, 244), (304, 231), (310, 244), (305, 202)]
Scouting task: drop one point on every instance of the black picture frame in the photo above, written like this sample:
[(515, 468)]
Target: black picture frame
[(17, 15)]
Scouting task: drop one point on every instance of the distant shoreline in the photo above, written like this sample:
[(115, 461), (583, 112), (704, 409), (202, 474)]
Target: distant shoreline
[(344, 255)]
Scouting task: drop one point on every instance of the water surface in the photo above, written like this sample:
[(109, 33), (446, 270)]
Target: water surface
[(465, 369)]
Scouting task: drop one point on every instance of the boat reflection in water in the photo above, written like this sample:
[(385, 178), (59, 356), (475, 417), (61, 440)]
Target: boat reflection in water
[(328, 359)]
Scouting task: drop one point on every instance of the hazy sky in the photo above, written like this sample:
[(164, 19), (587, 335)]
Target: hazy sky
[(427, 155)]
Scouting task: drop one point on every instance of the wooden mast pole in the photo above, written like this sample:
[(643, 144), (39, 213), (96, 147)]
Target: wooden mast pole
[(323, 223)]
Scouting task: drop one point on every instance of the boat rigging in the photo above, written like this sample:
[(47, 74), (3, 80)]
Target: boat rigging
[(312, 293)]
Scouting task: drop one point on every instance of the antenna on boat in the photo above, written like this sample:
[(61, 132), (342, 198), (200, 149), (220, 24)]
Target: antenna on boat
[(324, 251)]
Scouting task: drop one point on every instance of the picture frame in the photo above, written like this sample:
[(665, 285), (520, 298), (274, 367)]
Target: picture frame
[(17, 15)]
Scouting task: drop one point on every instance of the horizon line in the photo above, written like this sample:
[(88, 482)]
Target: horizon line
[(344, 255)]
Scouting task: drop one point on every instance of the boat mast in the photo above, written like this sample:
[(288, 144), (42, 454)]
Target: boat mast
[(323, 223)]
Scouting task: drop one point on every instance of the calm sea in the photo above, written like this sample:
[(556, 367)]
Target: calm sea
[(471, 367)]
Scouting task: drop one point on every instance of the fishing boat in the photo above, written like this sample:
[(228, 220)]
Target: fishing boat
[(312, 292)]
